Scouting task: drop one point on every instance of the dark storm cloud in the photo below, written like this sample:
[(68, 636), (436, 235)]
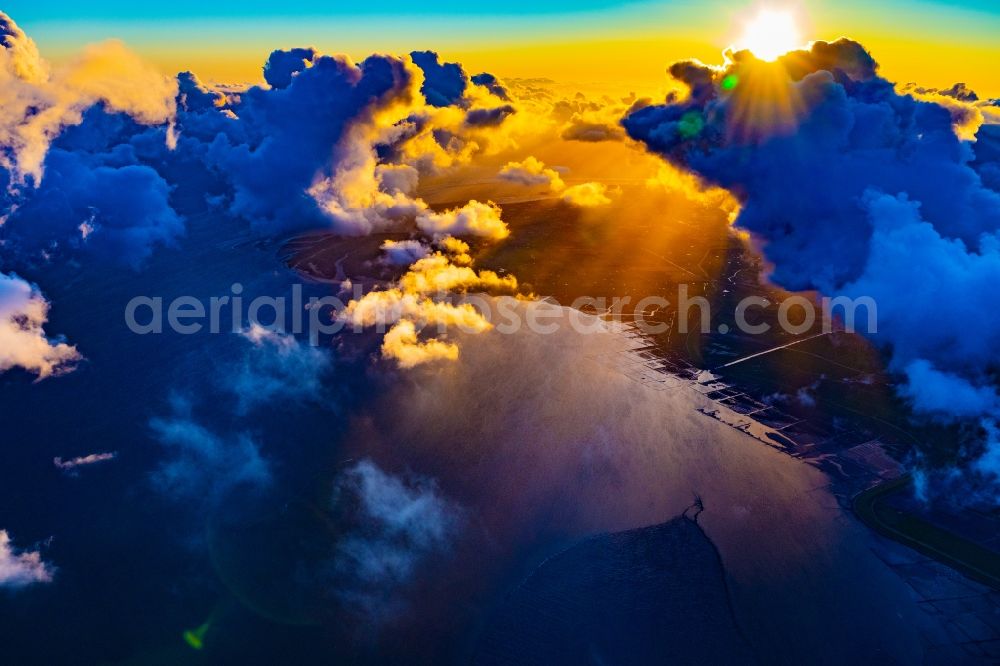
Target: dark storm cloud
[(492, 84), (855, 189), (444, 83)]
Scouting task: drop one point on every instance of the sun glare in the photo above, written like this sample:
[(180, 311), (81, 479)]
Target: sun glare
[(770, 34)]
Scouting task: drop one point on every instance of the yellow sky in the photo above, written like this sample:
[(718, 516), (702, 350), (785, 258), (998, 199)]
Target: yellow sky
[(635, 63)]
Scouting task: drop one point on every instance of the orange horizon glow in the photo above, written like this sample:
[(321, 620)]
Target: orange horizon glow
[(631, 49)]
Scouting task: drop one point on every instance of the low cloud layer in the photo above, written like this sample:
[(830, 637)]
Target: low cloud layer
[(532, 172), (277, 368), (202, 464), (400, 524)]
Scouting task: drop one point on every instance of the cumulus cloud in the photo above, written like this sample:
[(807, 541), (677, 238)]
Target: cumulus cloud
[(388, 306), (340, 144), (852, 187), (437, 273), (394, 178), (672, 179), (116, 212), (472, 219), (968, 112), (405, 252), (489, 117), (988, 464), (421, 299), (444, 83), (855, 188), (531, 171), (112, 74), (587, 195), (492, 84), (987, 152), (326, 143), (312, 135), (281, 66), (402, 344), (593, 132), (38, 101), (195, 96), (23, 342), (396, 526), (81, 191), (590, 120), (940, 392), (21, 568)]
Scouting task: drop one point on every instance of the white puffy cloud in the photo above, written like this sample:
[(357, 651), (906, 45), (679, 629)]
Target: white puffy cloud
[(21, 568), (587, 195), (437, 273), (405, 252), (472, 219), (402, 344), (397, 177), (23, 343), (421, 298), (387, 306), (532, 171)]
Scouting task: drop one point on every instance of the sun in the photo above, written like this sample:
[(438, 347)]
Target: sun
[(770, 34)]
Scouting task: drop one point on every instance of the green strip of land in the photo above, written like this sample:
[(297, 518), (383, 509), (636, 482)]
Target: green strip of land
[(968, 557)]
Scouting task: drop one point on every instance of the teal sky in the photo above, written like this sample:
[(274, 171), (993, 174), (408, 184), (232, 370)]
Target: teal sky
[(97, 10), (68, 24)]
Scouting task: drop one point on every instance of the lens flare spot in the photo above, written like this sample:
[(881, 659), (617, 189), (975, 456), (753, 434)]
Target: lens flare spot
[(196, 637), (691, 124)]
